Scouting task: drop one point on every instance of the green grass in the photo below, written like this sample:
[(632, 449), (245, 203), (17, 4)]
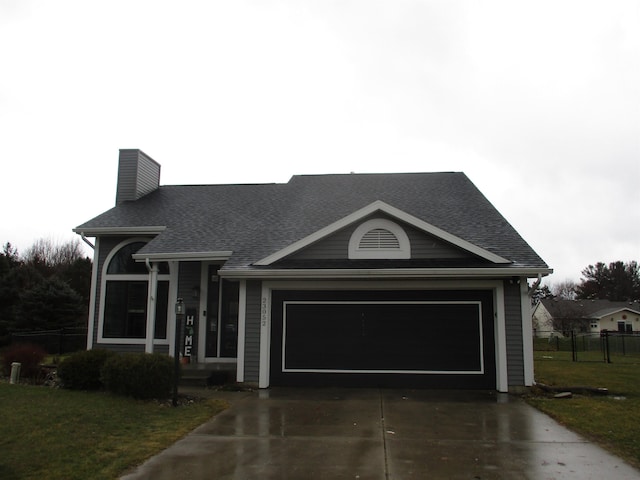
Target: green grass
[(613, 421), (50, 433)]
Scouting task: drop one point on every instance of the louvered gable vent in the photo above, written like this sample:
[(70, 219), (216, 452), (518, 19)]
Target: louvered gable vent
[(379, 238)]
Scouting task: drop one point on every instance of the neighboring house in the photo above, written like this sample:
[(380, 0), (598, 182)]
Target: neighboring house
[(558, 317), (355, 279)]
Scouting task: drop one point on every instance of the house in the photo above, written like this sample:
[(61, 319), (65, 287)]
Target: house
[(553, 316), (353, 279)]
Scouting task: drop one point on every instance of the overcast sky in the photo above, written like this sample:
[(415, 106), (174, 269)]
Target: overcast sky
[(537, 102)]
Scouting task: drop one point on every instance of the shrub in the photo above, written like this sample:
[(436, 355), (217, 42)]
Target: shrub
[(81, 370), (29, 355), (139, 375)]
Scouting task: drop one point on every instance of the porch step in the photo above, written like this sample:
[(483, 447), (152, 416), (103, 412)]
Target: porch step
[(205, 375)]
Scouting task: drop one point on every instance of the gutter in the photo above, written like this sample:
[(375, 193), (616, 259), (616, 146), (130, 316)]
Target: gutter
[(386, 273)]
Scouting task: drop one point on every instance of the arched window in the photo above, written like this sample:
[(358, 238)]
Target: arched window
[(126, 295), (379, 238)]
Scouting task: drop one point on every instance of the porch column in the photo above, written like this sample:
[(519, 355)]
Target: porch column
[(151, 308), (527, 332), (242, 316), (502, 379)]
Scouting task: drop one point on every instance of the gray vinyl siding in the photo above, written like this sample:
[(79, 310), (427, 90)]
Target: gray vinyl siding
[(426, 246), (138, 175), (252, 332), (513, 327), (336, 246), (163, 349), (188, 276), (121, 348)]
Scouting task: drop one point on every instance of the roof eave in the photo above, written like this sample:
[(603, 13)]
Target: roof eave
[(101, 231), (214, 256), (388, 273)]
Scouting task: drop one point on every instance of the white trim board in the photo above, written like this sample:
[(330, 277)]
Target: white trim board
[(478, 304)]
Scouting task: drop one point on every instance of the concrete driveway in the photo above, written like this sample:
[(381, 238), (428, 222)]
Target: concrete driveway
[(363, 434)]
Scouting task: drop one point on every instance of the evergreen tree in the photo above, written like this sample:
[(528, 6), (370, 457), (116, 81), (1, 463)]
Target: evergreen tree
[(51, 304), (45, 289), (617, 282), (9, 290)]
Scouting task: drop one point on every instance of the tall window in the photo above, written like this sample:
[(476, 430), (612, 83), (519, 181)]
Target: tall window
[(127, 295)]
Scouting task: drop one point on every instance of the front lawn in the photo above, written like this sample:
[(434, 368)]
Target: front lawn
[(613, 421), (63, 434)]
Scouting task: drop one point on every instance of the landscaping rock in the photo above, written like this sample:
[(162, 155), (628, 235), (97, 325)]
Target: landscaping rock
[(563, 395)]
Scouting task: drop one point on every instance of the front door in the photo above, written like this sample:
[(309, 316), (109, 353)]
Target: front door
[(213, 304), (221, 316)]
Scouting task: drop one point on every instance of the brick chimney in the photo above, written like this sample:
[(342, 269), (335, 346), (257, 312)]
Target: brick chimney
[(138, 175)]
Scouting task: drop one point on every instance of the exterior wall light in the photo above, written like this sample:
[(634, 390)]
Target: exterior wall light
[(179, 307)]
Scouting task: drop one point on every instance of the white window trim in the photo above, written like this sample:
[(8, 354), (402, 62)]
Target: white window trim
[(403, 252), (478, 304), (124, 277)]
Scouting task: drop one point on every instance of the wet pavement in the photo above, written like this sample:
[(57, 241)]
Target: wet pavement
[(381, 434)]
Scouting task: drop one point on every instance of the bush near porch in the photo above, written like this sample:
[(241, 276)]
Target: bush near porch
[(612, 421)]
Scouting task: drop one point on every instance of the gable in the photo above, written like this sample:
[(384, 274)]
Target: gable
[(332, 241), (422, 245)]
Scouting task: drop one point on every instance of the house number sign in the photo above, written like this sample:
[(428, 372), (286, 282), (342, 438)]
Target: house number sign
[(263, 311)]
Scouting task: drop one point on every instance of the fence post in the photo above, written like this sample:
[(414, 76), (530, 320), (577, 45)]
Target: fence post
[(574, 347), (606, 345)]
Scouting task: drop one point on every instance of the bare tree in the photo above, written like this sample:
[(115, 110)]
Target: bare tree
[(565, 290), (49, 254)]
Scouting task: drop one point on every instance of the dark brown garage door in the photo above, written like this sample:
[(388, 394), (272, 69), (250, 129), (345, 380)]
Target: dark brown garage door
[(416, 338)]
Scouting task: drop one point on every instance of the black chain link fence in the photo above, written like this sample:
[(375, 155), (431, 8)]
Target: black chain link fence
[(603, 346), (54, 342)]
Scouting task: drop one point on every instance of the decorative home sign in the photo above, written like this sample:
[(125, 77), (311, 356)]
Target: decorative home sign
[(188, 334)]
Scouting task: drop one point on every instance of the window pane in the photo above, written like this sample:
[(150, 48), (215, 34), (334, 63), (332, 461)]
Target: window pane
[(162, 306), (125, 310), (122, 262), (229, 327)]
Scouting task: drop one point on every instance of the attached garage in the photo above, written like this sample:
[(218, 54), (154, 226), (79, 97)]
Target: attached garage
[(435, 339)]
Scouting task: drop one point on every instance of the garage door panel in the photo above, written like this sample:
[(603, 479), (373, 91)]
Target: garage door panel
[(400, 338), (421, 336)]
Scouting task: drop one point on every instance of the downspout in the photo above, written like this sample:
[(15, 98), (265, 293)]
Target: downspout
[(151, 305), (527, 327), (86, 240), (91, 323), (535, 286)]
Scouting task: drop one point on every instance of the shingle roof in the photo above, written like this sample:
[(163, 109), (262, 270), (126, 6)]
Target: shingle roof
[(592, 309), (255, 221)]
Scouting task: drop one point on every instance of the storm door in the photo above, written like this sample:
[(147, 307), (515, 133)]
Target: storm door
[(221, 316), (211, 314)]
